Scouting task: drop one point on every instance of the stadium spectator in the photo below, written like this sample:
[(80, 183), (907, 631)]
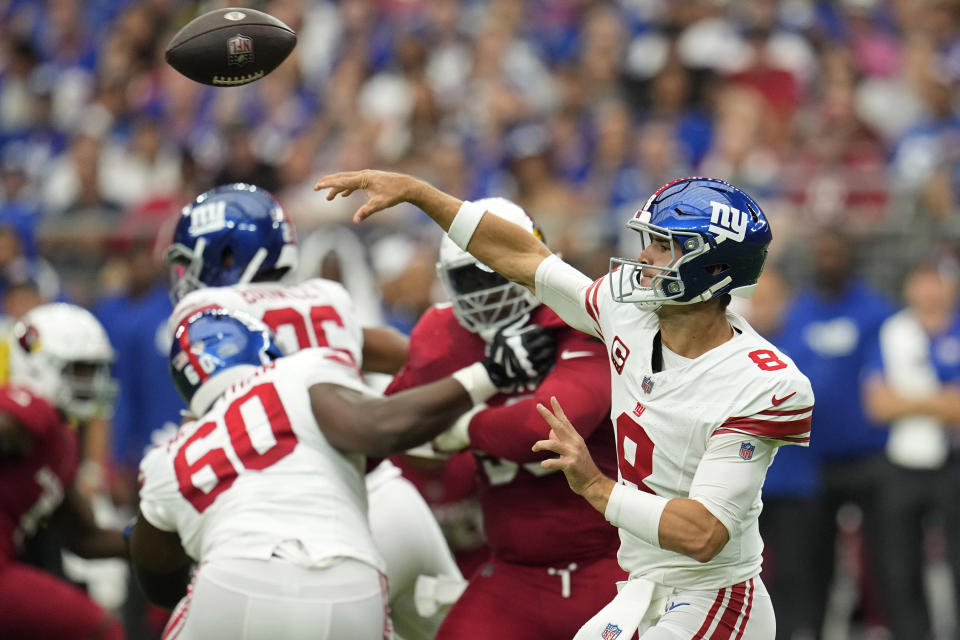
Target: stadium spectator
[(914, 386), (789, 495), (135, 318), (553, 559), (688, 494), (305, 565), (828, 331)]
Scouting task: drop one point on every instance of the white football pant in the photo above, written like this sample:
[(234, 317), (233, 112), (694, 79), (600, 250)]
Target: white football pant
[(274, 599), (743, 611), (408, 537)]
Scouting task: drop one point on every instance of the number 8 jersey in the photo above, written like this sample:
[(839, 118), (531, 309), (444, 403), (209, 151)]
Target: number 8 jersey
[(733, 406), (256, 470)]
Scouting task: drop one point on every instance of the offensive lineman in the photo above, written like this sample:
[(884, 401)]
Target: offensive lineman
[(230, 249), (265, 490), (553, 558), (700, 401)]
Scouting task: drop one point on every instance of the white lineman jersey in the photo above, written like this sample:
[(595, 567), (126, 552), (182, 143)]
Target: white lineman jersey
[(313, 313), (255, 472), (734, 405)]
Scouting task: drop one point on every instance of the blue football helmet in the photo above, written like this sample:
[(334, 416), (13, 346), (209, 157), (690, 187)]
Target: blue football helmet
[(233, 234), (718, 237), (211, 344)]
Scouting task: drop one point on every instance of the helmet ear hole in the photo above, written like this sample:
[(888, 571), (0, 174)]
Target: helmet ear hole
[(226, 258), (28, 338), (717, 269)]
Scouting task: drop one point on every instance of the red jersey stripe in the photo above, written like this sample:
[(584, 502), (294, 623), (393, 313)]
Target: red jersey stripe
[(591, 306), (711, 615), (746, 614), (785, 412), (728, 621), (769, 428), (787, 438)]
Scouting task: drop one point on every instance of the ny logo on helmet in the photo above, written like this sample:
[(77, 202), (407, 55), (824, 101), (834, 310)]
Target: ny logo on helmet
[(728, 222), (208, 217)]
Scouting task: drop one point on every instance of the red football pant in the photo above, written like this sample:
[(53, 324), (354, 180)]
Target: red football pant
[(35, 604), (505, 600)]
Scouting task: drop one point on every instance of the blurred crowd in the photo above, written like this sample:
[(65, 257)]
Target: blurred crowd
[(841, 117)]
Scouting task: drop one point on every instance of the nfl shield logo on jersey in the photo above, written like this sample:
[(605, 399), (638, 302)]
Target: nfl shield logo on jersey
[(239, 50), (612, 632), (746, 450), (647, 384)]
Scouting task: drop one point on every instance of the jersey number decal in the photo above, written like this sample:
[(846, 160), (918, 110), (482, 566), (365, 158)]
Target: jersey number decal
[(275, 318), (212, 473), (634, 452), (767, 360)]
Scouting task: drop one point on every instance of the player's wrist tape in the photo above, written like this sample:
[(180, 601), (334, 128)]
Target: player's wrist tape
[(465, 223), (457, 437), (476, 381), (636, 511)]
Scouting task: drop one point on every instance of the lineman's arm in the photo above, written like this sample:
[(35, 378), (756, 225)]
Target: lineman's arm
[(160, 564), (377, 426), (384, 350), (381, 426), (583, 381), (15, 440), (512, 252), (77, 528)]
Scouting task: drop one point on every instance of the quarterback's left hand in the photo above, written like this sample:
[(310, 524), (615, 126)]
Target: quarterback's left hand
[(574, 459)]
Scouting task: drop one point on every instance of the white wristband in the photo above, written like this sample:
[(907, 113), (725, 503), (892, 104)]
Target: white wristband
[(465, 223), (476, 381), (457, 437), (638, 512)]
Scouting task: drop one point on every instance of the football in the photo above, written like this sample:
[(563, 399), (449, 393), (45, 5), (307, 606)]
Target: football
[(230, 47)]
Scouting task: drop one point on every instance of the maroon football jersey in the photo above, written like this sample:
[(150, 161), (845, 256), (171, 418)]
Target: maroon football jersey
[(31, 488), (530, 515)]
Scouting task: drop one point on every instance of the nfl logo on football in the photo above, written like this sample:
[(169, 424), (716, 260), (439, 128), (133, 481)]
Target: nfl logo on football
[(239, 50), (612, 632), (746, 450)]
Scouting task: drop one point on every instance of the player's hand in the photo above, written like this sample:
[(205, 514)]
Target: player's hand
[(519, 355), (383, 189), (573, 457)]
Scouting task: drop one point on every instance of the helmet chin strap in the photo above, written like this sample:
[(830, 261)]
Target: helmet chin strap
[(655, 304)]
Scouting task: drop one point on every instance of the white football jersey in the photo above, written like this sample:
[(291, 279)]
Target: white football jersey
[(256, 471), (313, 313), (743, 396)]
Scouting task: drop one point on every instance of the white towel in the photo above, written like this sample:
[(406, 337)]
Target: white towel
[(916, 442), (637, 601)]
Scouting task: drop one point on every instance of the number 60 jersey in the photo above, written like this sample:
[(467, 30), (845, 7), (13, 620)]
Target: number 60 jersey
[(705, 428), (256, 470)]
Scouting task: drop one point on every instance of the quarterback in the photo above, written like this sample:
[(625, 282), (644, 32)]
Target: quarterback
[(700, 402)]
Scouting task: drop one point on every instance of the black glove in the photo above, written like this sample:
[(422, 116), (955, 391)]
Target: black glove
[(519, 355)]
